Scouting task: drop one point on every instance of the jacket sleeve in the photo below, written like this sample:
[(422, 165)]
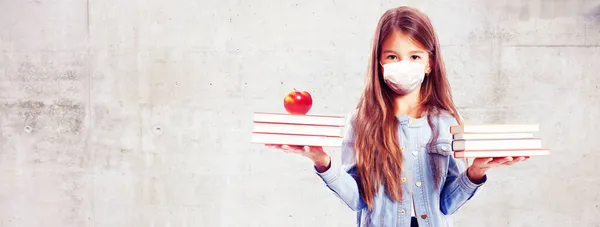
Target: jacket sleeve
[(342, 178), (458, 188)]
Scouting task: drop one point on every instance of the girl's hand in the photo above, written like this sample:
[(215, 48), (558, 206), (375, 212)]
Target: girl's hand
[(316, 154), (486, 163), (477, 170)]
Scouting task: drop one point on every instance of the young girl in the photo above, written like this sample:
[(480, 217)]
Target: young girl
[(397, 166)]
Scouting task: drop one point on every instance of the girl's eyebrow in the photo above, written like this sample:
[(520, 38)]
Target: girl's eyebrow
[(417, 52), (411, 52)]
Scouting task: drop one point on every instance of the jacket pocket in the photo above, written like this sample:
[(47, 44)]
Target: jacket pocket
[(441, 147), (439, 154)]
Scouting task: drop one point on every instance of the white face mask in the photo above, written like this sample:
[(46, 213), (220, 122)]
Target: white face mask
[(404, 76)]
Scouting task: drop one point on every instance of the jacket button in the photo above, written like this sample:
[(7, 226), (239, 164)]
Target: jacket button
[(403, 179), (403, 211), (402, 148), (424, 216), (418, 183), (444, 148)]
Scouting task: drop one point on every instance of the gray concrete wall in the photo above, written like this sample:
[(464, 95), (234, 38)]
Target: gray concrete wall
[(138, 113)]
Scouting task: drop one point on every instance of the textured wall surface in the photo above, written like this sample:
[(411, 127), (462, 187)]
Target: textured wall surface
[(138, 113)]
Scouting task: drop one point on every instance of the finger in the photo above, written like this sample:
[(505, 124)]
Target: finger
[(296, 147), (285, 148), (306, 149), (488, 160), (289, 149), (500, 160), (516, 159), (494, 161), (506, 160), (291, 146), (481, 159), (511, 162), (273, 145)]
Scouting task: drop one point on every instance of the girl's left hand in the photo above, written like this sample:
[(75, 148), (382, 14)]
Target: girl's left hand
[(477, 170), (486, 163)]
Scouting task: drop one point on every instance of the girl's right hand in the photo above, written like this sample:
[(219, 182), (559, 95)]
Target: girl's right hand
[(316, 154)]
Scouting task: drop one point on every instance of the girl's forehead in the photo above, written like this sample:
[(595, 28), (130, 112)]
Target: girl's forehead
[(399, 41)]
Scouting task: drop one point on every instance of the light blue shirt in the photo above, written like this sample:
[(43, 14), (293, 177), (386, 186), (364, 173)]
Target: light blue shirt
[(433, 207)]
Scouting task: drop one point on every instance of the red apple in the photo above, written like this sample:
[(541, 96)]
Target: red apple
[(297, 102)]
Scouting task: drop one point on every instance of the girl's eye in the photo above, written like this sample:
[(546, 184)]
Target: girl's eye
[(415, 57), (392, 57)]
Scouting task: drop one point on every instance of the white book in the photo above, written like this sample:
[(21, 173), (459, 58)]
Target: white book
[(466, 136), (506, 128), (314, 130), (299, 119), (299, 140), (501, 153), (497, 144)]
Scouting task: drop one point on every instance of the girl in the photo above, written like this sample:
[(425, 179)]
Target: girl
[(397, 166)]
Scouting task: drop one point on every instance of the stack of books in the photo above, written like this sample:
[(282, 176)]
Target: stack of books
[(299, 130), (472, 141)]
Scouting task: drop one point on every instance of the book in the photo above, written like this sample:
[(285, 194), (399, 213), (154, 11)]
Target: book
[(501, 153), (281, 118), (496, 144), (300, 130), (300, 140), (480, 129), (467, 136), (314, 130)]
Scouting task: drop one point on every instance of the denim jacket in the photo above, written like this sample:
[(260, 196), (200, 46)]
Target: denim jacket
[(433, 206)]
